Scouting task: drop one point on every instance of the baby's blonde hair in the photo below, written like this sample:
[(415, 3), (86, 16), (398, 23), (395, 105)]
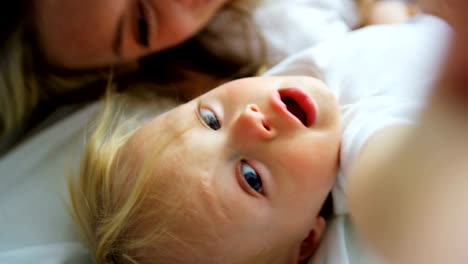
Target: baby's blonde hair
[(110, 199)]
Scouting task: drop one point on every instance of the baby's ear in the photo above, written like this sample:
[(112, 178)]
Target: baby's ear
[(311, 243)]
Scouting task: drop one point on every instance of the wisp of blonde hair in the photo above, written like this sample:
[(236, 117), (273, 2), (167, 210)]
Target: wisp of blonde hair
[(125, 212)]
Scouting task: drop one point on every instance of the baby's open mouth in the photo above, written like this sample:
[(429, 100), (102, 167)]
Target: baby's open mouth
[(295, 109), (299, 104)]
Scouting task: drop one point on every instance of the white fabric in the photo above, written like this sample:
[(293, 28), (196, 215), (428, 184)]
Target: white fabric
[(35, 226), (381, 76), (341, 245), (35, 221), (62, 252), (286, 26)]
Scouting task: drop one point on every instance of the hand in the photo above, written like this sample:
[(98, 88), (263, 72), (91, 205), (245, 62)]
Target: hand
[(420, 190)]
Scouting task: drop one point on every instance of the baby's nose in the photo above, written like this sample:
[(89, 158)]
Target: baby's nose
[(252, 124)]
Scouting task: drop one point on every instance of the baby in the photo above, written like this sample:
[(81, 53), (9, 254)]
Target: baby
[(238, 175)]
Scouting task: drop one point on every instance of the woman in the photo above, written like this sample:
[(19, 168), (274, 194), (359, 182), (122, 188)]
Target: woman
[(50, 46), (60, 46)]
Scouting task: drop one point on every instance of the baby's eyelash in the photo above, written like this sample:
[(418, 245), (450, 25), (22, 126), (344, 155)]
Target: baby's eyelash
[(250, 177), (209, 118)]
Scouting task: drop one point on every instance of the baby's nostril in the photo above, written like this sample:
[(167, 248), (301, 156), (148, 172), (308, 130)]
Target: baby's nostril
[(254, 108)]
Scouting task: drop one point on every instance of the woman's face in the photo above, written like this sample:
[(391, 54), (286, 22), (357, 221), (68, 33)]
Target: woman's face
[(91, 33), (264, 150)]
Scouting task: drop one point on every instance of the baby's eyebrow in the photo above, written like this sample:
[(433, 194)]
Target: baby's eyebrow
[(179, 128), (118, 36)]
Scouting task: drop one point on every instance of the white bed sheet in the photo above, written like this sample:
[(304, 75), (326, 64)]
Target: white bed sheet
[(35, 224), (286, 27)]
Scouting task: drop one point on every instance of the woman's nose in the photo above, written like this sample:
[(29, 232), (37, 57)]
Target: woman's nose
[(251, 124)]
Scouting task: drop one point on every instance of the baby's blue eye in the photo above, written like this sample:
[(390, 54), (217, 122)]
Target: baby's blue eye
[(251, 177), (210, 118)]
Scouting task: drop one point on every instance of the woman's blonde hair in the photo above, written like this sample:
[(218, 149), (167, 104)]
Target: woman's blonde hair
[(25, 80), (18, 88)]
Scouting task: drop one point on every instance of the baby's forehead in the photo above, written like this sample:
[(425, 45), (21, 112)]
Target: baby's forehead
[(167, 126)]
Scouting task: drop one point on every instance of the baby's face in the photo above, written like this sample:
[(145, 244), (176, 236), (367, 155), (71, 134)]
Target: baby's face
[(263, 150)]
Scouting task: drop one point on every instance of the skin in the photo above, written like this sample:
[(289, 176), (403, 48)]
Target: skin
[(386, 12), (84, 34), (297, 165)]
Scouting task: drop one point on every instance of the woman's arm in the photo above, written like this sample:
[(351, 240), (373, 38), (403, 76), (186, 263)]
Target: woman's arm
[(408, 189)]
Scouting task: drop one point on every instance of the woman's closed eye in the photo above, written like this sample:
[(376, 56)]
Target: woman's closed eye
[(210, 119), (251, 177), (142, 25)]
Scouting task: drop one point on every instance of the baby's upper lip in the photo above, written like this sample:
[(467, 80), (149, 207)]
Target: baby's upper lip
[(296, 104)]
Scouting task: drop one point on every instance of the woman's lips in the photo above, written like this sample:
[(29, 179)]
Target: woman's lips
[(297, 105)]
